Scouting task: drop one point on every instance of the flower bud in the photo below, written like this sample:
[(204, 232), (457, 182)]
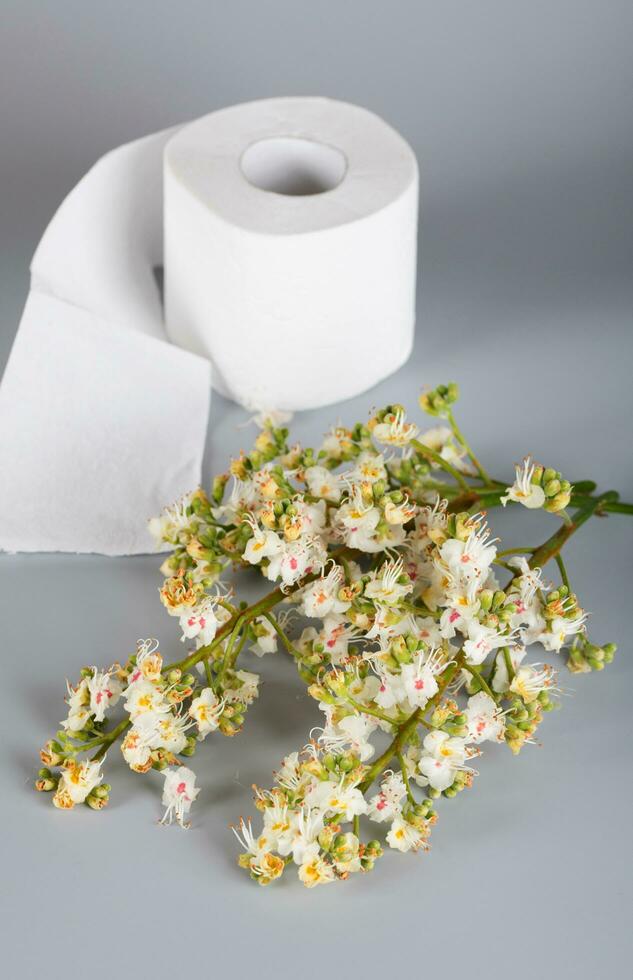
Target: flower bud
[(559, 502), (344, 847), (45, 783), (96, 802), (217, 487), (373, 848), (52, 754), (326, 837), (485, 599)]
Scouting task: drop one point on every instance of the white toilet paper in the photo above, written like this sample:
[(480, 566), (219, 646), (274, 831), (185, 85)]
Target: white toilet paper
[(102, 421), (290, 249), (290, 263)]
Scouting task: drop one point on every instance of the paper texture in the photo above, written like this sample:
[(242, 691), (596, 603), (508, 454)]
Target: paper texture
[(299, 300), (102, 421), (86, 473)]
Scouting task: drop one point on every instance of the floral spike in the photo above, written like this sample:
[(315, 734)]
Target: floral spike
[(419, 631)]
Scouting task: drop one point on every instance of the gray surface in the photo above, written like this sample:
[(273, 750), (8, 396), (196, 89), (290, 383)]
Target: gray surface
[(520, 115)]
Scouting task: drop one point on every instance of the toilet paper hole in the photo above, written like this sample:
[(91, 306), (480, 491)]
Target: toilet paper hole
[(293, 166)]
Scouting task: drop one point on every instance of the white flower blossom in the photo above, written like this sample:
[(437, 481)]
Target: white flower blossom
[(368, 468), (385, 586), (179, 792), (394, 430), (352, 731), (76, 782), (321, 482), (330, 798), (263, 544), (482, 640), (484, 719), (404, 837), (418, 678), (523, 491), (200, 623), (79, 709), (559, 630), (470, 559), (172, 521), (144, 696), (246, 688), (442, 759), (105, 691), (322, 596), (387, 803), (206, 710), (529, 682)]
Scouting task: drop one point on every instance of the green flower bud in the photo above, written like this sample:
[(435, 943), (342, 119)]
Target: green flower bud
[(551, 488), (218, 486), (44, 784), (345, 847), (347, 762), (558, 503), (485, 599), (96, 802)]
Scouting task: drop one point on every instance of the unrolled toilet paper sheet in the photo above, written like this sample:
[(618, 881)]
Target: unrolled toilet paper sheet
[(102, 421), (134, 448)]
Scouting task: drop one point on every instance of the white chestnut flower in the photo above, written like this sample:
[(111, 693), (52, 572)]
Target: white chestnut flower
[(484, 719), (105, 691), (179, 792), (322, 483), (443, 757), (523, 491), (394, 430), (206, 710)]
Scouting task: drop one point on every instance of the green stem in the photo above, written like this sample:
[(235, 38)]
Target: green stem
[(457, 432), (256, 609), (229, 659), (408, 727), (366, 710), (112, 737), (405, 779), (412, 607), (283, 636), (562, 570), (514, 551), (551, 547), (616, 507), (423, 450), (606, 503), (474, 672)]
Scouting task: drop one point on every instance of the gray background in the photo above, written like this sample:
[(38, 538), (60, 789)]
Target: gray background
[(520, 114)]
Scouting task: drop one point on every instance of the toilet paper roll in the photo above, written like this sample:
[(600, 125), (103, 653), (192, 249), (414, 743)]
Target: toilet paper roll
[(290, 263), (290, 249)]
